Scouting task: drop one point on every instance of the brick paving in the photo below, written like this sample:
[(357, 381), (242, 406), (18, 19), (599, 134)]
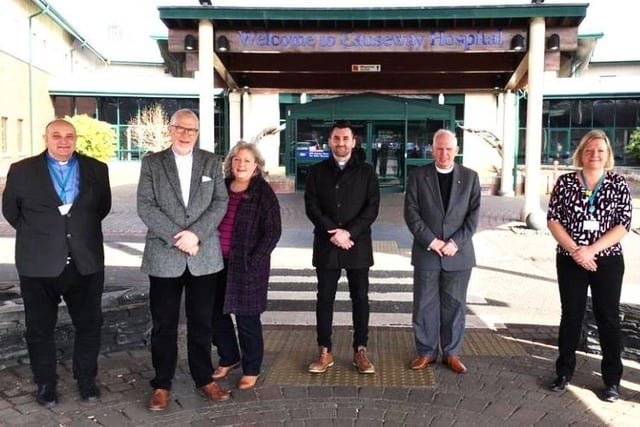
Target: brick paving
[(515, 274)]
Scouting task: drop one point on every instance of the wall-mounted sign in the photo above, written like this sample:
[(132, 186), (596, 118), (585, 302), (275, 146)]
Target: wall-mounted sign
[(365, 68), (385, 40), (369, 40)]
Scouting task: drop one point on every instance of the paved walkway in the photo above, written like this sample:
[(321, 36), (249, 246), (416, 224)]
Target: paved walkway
[(509, 353)]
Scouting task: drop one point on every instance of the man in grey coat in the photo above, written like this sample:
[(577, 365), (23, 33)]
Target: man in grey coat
[(441, 209), (181, 199)]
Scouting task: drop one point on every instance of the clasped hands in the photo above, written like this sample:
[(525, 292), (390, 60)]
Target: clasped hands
[(443, 248), (584, 257), (341, 238), (187, 242)]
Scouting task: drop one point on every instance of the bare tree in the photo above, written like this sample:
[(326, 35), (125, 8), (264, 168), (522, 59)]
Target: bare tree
[(150, 130)]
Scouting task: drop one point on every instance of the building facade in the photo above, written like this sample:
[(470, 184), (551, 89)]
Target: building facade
[(49, 69)]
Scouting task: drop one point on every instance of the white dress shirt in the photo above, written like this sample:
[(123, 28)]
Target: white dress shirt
[(184, 165)]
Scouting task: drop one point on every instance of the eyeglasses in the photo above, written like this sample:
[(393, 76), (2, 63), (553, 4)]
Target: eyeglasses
[(188, 131)]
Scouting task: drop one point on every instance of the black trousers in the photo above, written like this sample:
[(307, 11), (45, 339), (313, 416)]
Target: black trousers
[(164, 297), (605, 284), (358, 291), (251, 349), (83, 297)]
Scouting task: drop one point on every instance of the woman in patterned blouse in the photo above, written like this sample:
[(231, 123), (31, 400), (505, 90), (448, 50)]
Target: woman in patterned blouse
[(589, 213)]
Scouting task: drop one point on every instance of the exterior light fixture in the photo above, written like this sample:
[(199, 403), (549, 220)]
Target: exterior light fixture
[(517, 42), (222, 44), (205, 2), (498, 82), (190, 43), (554, 42)]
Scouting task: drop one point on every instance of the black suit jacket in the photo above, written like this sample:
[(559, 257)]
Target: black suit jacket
[(44, 237)]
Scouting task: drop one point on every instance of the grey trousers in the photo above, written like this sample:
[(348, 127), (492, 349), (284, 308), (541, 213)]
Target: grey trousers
[(439, 309)]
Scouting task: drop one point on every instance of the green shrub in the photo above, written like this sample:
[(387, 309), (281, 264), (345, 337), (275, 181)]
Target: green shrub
[(96, 138), (633, 146)]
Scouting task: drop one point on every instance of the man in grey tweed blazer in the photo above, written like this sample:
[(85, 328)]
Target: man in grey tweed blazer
[(181, 199)]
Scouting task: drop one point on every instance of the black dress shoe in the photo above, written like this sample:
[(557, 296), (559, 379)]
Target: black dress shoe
[(560, 383), (47, 395), (611, 393), (89, 391)]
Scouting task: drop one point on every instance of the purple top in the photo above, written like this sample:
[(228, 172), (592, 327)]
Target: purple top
[(226, 225)]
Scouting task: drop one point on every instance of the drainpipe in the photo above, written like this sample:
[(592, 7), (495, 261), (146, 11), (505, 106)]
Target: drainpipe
[(31, 124)]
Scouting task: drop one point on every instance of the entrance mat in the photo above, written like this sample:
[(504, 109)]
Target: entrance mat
[(390, 350), (291, 350)]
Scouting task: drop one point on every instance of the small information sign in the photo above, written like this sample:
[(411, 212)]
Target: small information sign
[(365, 68)]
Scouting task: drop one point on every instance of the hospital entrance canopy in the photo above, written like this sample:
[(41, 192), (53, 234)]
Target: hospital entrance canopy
[(459, 49)]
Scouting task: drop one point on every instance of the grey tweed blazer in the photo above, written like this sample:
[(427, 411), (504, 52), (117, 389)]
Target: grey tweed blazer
[(161, 208)]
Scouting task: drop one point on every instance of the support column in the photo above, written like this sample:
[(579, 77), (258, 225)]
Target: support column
[(245, 115), (234, 117), (532, 213), (509, 128), (205, 84)]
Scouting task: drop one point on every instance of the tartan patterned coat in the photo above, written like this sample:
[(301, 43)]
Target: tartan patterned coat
[(256, 230)]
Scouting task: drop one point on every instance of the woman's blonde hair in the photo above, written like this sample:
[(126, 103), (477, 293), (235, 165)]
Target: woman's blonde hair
[(243, 145), (587, 138)]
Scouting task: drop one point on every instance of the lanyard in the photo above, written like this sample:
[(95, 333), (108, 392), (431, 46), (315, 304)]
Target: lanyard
[(591, 194), (62, 181)]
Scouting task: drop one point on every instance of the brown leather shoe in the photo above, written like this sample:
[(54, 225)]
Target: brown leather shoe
[(222, 371), (455, 364), (159, 400), (361, 361), (248, 381), (324, 362), (421, 362), (214, 392)]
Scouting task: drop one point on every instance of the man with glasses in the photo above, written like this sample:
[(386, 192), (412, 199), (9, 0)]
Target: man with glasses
[(182, 199)]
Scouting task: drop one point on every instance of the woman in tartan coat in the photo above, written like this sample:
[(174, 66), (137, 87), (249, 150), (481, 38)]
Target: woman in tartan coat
[(249, 233)]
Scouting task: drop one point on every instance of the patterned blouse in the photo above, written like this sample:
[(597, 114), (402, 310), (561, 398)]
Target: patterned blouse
[(569, 205)]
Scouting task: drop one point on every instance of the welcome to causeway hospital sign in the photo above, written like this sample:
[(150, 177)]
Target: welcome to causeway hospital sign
[(374, 41)]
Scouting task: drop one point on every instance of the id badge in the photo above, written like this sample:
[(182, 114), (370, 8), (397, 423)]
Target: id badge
[(590, 225), (64, 209)]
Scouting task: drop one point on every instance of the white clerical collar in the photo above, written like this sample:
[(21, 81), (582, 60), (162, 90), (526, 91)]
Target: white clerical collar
[(447, 170)]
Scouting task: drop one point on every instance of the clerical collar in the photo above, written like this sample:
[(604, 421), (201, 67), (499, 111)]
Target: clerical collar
[(447, 170), (59, 162), (341, 163)]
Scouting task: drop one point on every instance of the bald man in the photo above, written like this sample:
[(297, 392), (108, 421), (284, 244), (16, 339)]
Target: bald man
[(56, 201)]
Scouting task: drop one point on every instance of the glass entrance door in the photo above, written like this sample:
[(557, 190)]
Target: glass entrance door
[(386, 153)]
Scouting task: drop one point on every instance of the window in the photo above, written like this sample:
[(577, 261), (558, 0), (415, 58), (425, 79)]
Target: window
[(4, 148), (20, 136)]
